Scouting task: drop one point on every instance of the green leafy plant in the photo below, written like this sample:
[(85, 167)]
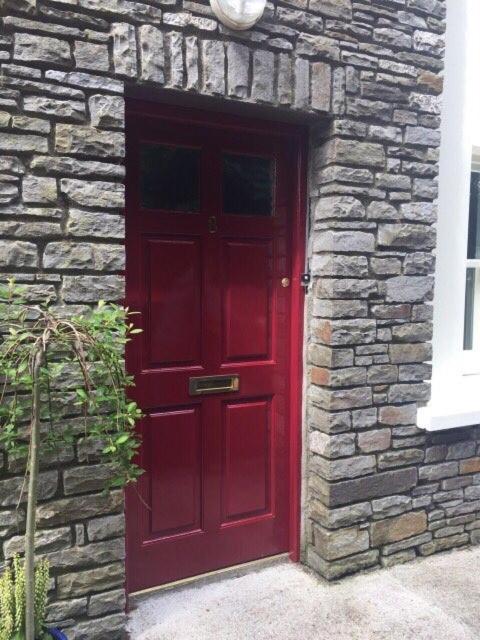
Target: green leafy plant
[(49, 361), (12, 600)]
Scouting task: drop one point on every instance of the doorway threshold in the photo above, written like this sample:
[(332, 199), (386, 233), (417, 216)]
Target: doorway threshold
[(235, 571)]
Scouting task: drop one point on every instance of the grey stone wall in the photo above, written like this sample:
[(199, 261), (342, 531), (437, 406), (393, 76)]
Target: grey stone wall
[(62, 234), (379, 490)]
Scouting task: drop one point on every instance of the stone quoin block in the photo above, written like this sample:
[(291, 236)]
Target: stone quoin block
[(340, 517), (332, 545), (89, 193), (88, 141), (107, 111)]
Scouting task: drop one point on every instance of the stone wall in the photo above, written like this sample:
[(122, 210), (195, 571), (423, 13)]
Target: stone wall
[(62, 233), (379, 490), (423, 495)]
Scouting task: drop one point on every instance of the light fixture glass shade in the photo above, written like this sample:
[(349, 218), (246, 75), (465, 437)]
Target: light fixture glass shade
[(238, 14)]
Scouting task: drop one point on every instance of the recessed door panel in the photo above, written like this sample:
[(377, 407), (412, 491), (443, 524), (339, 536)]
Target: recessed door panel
[(209, 218), (247, 290), (175, 451), (247, 459), (174, 301)]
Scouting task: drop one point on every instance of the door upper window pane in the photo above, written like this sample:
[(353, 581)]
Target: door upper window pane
[(247, 185), (170, 178)]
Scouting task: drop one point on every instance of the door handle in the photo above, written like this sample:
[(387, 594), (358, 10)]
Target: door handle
[(204, 385)]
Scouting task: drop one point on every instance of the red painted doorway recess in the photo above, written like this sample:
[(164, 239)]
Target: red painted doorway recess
[(215, 250)]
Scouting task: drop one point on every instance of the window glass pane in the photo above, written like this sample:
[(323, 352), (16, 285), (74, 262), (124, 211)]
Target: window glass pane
[(469, 310), (474, 217), (247, 185), (471, 339), (170, 178)]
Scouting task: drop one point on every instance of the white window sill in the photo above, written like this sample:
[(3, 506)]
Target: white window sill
[(455, 405), (440, 420)]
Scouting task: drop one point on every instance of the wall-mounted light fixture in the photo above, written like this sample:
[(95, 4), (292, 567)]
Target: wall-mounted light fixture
[(238, 14)]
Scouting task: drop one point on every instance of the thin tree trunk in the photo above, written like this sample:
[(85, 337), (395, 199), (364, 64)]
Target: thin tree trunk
[(32, 500)]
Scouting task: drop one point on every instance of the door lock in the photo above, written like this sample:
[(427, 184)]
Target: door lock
[(212, 224)]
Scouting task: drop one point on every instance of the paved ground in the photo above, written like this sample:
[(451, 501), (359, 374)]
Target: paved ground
[(436, 598)]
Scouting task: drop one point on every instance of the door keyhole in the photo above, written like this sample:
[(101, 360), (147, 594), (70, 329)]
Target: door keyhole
[(212, 224)]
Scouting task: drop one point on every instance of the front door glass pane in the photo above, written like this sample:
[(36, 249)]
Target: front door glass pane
[(247, 185), (170, 178)]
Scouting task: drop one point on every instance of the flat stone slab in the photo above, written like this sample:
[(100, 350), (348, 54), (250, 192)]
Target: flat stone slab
[(437, 597)]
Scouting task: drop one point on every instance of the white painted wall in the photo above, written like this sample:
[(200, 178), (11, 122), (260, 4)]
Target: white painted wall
[(460, 130)]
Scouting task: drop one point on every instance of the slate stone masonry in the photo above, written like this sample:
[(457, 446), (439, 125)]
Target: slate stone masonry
[(367, 76)]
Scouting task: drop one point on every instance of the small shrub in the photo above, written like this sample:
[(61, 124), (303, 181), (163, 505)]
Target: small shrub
[(12, 600)]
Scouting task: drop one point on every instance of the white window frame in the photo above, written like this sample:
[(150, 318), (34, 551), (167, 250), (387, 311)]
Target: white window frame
[(455, 400)]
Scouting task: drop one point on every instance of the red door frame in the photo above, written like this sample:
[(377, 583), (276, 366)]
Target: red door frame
[(298, 137)]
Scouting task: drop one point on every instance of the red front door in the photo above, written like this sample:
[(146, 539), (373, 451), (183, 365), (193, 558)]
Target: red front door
[(210, 207)]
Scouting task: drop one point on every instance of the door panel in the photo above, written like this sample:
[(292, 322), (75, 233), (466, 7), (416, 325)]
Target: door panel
[(174, 442), (209, 219), (174, 301), (247, 291), (247, 459)]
